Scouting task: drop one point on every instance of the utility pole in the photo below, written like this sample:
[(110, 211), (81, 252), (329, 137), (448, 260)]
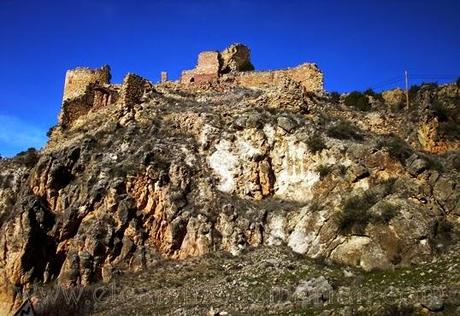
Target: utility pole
[(407, 89)]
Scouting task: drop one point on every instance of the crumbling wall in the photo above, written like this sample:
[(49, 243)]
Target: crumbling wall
[(207, 69), (233, 64), (133, 89), (308, 75), (103, 96), (77, 80), (73, 108), (86, 89)]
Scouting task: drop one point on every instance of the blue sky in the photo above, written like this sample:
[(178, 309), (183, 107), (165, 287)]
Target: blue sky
[(358, 44)]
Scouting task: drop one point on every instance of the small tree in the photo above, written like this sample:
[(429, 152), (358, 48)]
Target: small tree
[(335, 97), (29, 157), (50, 131), (375, 95), (344, 130), (358, 101)]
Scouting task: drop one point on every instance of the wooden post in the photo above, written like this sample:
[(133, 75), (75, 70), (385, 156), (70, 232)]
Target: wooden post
[(407, 89)]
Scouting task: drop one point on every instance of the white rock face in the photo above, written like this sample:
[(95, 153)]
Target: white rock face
[(247, 150), (276, 228), (305, 237), (269, 132), (223, 162), (296, 176), (360, 251)]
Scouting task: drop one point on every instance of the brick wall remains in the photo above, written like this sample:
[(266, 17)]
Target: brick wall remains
[(308, 75), (207, 69), (133, 89), (77, 80)]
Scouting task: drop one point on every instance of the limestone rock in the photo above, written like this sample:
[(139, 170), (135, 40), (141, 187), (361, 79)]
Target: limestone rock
[(236, 57)]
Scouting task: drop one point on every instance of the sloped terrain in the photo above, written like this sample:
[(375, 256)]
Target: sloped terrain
[(207, 171)]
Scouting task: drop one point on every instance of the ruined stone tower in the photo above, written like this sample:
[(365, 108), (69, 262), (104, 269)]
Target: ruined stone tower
[(77, 80), (233, 65)]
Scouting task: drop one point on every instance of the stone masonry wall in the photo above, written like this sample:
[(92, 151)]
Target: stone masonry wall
[(207, 69), (133, 89), (77, 80), (308, 75), (73, 108)]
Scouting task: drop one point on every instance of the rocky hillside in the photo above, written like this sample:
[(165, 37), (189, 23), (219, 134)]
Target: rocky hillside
[(356, 181)]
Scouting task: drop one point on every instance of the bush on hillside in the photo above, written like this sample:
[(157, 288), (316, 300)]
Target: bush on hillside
[(397, 148), (355, 214), (344, 130), (372, 93), (358, 101), (335, 97), (316, 143), (323, 170), (29, 158)]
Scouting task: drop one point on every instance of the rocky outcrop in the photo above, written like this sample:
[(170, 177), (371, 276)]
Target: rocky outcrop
[(234, 58), (182, 173)]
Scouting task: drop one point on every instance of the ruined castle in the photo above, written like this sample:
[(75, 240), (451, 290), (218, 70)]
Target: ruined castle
[(88, 89)]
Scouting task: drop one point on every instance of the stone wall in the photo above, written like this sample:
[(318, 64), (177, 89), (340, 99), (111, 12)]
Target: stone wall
[(86, 89), (73, 108), (133, 89), (77, 80), (207, 69), (233, 64), (308, 75), (94, 97)]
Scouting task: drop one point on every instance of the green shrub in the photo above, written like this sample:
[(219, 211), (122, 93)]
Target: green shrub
[(344, 130), (458, 82), (316, 143), (413, 91), (372, 93), (50, 131), (355, 214), (358, 101), (450, 129), (434, 163), (441, 111), (335, 97), (323, 170), (397, 148), (29, 158), (315, 206), (343, 169), (388, 212)]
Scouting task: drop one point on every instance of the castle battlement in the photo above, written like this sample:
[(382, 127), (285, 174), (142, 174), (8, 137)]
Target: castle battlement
[(89, 89)]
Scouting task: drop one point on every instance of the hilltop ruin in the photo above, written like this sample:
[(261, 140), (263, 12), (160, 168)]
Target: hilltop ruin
[(90, 89)]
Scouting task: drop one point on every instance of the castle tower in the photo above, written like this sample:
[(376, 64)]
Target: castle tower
[(77, 80)]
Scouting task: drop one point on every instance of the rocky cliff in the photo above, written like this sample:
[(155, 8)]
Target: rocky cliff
[(192, 170)]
